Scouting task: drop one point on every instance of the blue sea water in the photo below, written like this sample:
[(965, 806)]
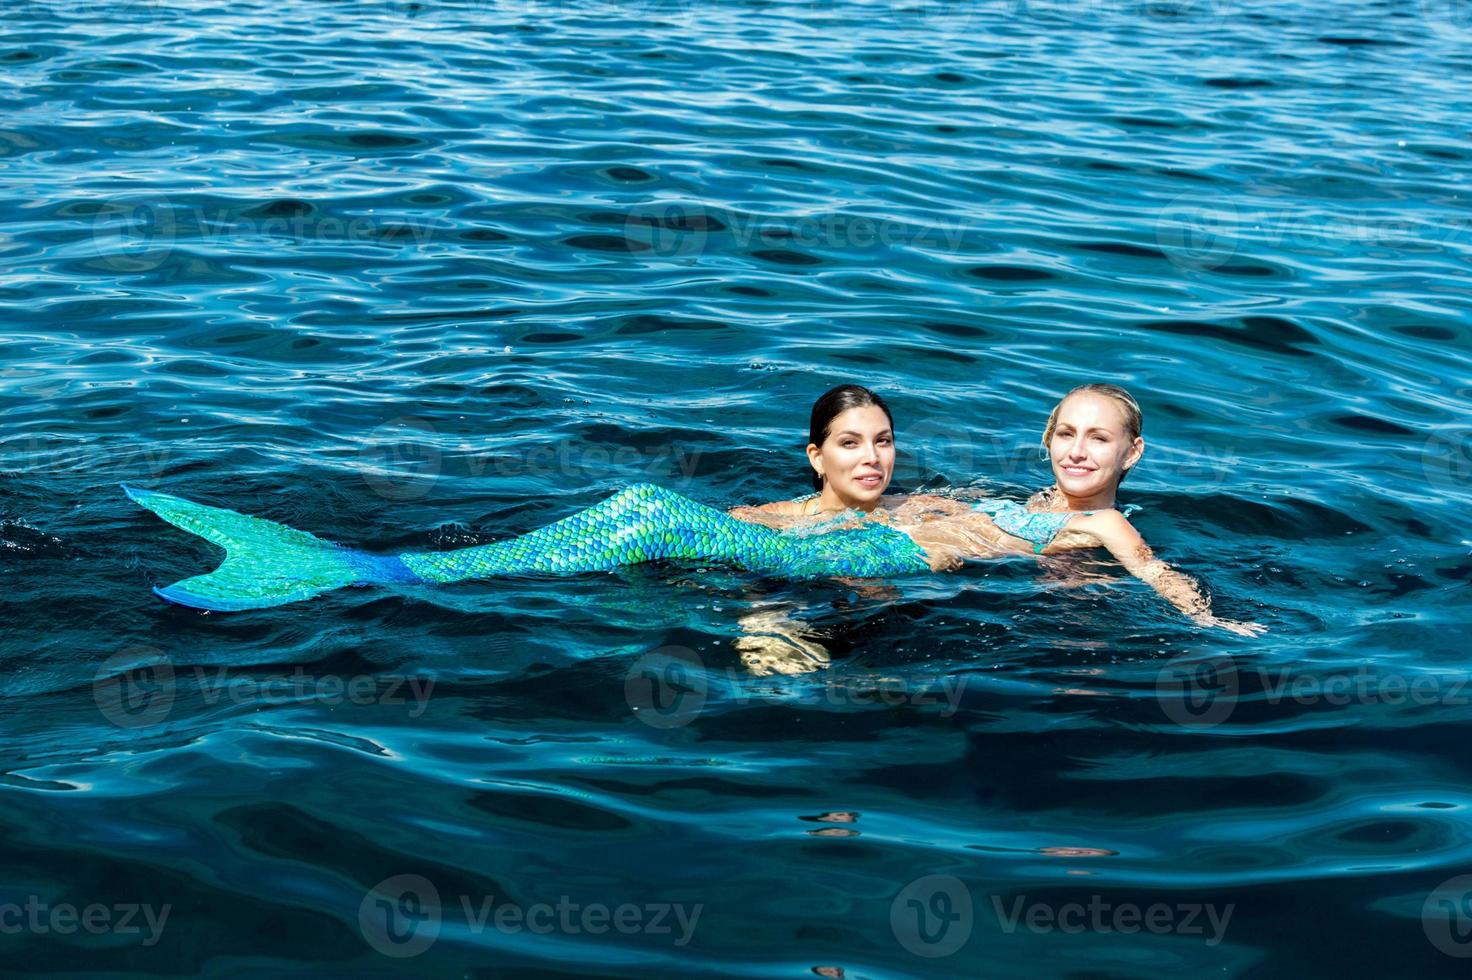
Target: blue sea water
[(418, 274)]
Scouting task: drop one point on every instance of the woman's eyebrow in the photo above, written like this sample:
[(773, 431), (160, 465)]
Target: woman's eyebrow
[(851, 432)]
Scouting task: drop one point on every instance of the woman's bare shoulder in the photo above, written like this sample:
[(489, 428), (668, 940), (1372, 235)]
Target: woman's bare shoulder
[(777, 508), (1106, 521), (1101, 528)]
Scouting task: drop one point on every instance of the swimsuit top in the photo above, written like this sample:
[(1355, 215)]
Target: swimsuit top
[(1039, 527)]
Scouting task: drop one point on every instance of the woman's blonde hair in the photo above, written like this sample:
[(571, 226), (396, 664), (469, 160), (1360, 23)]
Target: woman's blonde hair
[(1133, 420)]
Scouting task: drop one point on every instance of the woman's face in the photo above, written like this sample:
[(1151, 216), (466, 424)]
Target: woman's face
[(1090, 448), (857, 457)]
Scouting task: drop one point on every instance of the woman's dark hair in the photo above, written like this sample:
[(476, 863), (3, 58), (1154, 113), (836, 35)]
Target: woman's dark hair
[(833, 403)]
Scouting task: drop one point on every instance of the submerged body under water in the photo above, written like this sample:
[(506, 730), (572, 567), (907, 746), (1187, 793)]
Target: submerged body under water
[(421, 276)]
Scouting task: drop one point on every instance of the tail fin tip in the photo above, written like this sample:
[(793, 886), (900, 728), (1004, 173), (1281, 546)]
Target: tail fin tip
[(179, 596), (266, 564)]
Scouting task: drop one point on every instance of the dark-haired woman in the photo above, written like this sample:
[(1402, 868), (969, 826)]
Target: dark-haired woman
[(851, 451), (851, 448)]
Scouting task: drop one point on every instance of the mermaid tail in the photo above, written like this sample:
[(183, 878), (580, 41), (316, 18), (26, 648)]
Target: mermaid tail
[(266, 564), (269, 564), (641, 523)]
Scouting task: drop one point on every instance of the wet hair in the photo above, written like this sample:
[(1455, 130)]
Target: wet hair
[(833, 403), (1133, 420)]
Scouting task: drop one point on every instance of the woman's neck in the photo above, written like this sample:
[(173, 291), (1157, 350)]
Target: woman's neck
[(1103, 500), (831, 503)]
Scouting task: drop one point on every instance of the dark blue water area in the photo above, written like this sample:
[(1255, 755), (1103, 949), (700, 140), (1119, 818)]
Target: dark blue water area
[(417, 275)]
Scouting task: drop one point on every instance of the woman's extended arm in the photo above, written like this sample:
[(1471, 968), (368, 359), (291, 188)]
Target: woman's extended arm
[(1119, 536)]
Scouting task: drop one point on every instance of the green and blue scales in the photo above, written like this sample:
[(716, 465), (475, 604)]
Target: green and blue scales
[(269, 564)]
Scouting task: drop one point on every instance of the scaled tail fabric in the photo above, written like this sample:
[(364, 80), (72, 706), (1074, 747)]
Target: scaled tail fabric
[(269, 564)]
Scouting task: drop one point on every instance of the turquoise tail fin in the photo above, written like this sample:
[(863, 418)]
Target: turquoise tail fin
[(266, 564)]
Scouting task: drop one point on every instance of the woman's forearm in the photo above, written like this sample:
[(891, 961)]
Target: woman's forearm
[(1181, 591), (1175, 587)]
